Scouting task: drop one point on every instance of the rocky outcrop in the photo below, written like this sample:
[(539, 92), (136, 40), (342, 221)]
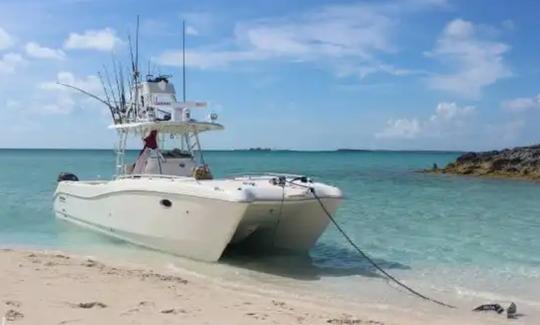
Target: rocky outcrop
[(521, 162)]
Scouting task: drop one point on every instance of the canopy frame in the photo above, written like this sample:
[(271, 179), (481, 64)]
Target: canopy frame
[(187, 130)]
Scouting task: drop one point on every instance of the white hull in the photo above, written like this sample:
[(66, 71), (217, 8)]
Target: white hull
[(167, 199), (203, 216)]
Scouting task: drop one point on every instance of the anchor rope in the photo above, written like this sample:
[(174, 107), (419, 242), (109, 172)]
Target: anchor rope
[(363, 254), (279, 214)]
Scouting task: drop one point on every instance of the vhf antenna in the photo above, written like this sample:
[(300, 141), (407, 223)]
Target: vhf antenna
[(134, 84), (136, 72), (184, 59), (137, 48)]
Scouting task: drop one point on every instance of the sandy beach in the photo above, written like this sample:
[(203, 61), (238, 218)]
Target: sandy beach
[(38, 287)]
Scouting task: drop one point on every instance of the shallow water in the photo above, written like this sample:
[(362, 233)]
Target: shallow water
[(466, 240)]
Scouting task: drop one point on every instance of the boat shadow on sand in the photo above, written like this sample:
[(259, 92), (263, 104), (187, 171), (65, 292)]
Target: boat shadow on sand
[(324, 261)]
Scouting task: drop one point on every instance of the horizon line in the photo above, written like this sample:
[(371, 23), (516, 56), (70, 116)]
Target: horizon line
[(344, 150)]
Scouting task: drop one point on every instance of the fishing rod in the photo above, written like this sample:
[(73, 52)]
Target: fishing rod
[(112, 109), (184, 60)]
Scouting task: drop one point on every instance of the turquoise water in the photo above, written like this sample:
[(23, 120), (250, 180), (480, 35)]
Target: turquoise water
[(471, 239)]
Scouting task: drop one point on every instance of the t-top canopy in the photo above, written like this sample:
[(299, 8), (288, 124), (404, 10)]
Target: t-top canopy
[(175, 127)]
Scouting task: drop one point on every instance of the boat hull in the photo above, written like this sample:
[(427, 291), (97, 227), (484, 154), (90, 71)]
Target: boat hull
[(192, 227), (293, 226), (193, 220)]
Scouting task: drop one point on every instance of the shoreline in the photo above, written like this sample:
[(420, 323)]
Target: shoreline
[(53, 287)]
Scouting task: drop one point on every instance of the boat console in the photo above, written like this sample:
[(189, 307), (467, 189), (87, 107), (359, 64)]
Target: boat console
[(170, 166)]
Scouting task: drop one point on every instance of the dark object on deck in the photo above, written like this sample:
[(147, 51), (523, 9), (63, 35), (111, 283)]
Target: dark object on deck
[(176, 153), (65, 176)]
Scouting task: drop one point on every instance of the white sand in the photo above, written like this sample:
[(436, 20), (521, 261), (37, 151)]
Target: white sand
[(53, 288)]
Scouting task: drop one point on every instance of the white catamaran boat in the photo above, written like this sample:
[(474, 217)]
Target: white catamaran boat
[(168, 200)]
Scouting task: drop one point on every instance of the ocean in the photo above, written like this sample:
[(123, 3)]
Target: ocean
[(464, 240)]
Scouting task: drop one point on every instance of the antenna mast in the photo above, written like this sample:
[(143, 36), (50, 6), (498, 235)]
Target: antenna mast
[(137, 48), (184, 59), (136, 69)]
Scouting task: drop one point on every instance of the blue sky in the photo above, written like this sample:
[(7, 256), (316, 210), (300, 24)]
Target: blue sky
[(388, 74)]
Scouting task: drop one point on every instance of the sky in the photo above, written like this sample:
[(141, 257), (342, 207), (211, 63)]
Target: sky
[(306, 75)]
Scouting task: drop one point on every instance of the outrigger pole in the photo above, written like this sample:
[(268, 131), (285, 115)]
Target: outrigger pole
[(135, 67), (184, 60), (112, 109)]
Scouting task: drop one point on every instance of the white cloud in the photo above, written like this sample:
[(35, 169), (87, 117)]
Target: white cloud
[(522, 104), (9, 62), (363, 70), (90, 83), (12, 104), (508, 133), (36, 51), (202, 21), (335, 31), (450, 112), (66, 99), (62, 105), (512, 129), (337, 35), (477, 61), (328, 32), (447, 120), (190, 30), (400, 128), (6, 40), (208, 59), (101, 40)]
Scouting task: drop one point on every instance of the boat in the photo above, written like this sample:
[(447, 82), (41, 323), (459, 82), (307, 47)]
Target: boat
[(168, 199)]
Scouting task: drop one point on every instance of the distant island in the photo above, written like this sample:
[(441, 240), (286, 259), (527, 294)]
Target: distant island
[(352, 150), (520, 162), (259, 149), (256, 149)]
